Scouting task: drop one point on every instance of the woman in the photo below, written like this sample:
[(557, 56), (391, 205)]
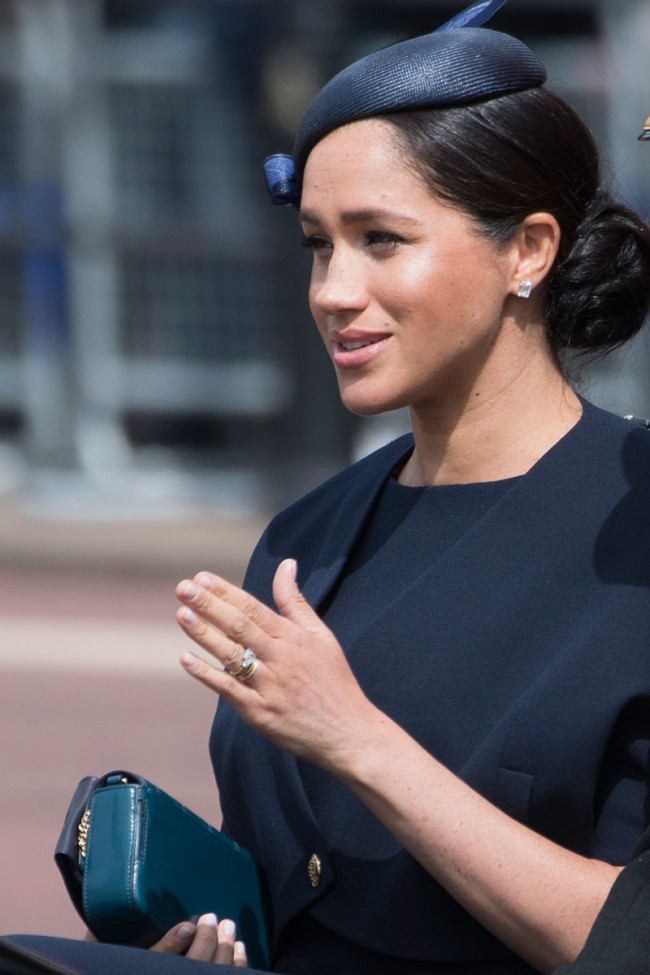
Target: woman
[(442, 761), (440, 656)]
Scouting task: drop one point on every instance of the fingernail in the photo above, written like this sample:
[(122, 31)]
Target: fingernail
[(185, 934), (208, 919), (228, 928), (190, 590), (188, 659), (188, 616), (240, 949), (205, 581)]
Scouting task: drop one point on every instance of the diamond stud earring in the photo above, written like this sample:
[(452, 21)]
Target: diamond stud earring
[(525, 288)]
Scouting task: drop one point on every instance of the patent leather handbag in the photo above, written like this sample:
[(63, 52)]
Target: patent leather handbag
[(136, 862)]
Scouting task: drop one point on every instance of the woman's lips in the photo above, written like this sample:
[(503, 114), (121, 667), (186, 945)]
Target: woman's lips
[(350, 353)]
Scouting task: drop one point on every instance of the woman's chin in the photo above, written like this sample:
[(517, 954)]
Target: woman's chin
[(364, 406), (361, 399)]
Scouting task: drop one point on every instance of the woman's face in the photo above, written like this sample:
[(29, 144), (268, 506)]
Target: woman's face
[(408, 296)]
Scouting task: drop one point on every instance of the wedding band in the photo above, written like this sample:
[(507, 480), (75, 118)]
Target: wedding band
[(248, 666), (248, 673)]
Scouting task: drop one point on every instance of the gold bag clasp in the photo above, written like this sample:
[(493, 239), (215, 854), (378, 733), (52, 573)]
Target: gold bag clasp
[(82, 833)]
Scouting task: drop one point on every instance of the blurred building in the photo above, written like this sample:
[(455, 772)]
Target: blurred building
[(153, 321)]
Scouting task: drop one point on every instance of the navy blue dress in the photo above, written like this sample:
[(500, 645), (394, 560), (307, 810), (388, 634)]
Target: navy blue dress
[(510, 636)]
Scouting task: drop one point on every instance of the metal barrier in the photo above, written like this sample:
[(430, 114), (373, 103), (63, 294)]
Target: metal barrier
[(141, 269)]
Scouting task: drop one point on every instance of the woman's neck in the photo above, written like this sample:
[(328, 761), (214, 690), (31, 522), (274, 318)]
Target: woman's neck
[(490, 438)]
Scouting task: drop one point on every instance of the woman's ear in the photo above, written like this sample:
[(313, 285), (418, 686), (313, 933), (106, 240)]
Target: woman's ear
[(534, 248)]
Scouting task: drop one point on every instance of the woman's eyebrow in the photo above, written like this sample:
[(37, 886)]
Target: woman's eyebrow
[(363, 216)]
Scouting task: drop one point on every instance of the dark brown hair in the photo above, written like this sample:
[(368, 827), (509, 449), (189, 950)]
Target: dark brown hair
[(503, 159)]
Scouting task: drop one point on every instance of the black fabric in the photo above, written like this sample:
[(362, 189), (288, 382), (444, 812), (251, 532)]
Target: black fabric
[(90, 958), (619, 942), (21, 960)]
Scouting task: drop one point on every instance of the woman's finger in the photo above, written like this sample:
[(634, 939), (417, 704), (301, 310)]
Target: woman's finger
[(224, 619), (220, 682), (226, 946), (238, 607), (206, 940), (290, 601), (224, 626), (228, 653), (233, 668), (177, 939), (240, 957)]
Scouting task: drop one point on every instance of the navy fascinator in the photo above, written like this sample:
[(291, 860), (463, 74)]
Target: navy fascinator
[(457, 64)]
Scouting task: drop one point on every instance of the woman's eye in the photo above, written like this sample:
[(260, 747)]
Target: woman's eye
[(382, 240), (382, 237), (314, 243)]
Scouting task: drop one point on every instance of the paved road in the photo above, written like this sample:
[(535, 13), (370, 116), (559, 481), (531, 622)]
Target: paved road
[(89, 681)]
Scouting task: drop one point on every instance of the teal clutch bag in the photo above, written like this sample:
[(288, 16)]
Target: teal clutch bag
[(136, 862)]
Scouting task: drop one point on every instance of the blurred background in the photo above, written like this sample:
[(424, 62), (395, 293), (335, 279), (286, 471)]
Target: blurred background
[(162, 390)]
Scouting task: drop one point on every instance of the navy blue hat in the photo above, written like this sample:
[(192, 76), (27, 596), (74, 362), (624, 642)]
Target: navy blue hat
[(457, 64)]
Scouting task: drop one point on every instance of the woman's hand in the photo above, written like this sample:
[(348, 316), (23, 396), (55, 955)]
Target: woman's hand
[(207, 940), (302, 694), (538, 898)]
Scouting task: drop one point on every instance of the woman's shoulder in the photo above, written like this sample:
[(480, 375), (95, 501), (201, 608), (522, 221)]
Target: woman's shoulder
[(629, 434), (607, 419), (602, 469)]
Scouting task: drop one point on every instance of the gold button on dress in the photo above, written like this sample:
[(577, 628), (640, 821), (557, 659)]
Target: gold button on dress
[(314, 870)]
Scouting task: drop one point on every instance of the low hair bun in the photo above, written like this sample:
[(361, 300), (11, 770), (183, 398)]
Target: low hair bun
[(598, 295)]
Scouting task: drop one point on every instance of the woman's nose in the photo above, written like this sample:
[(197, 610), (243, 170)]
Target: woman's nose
[(338, 287)]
